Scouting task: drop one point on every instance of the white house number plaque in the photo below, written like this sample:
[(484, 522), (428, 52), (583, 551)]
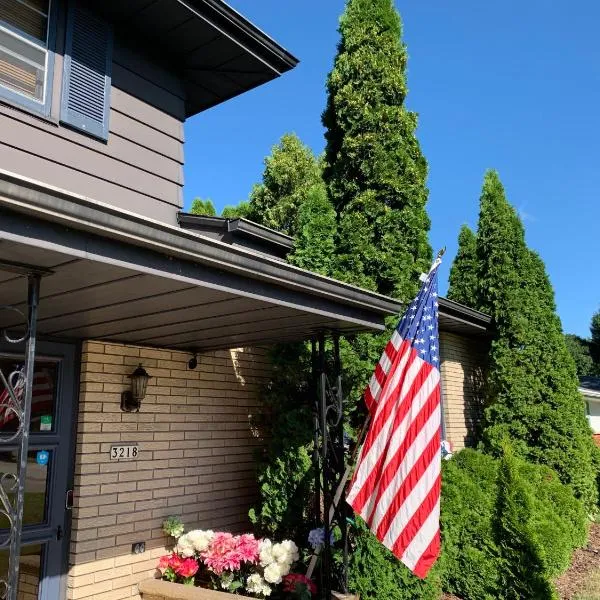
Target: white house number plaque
[(130, 452)]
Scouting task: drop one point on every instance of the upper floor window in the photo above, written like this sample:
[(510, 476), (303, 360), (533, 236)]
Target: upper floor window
[(24, 41)]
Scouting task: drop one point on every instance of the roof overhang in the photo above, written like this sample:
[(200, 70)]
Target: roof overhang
[(239, 232), (117, 276), (218, 53), (462, 320)]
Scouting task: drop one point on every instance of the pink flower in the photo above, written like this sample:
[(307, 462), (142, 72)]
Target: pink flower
[(247, 548), (222, 554), (187, 568), (175, 562), (292, 580), (163, 563)]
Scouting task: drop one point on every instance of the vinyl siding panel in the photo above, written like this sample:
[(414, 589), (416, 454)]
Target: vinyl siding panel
[(139, 168)]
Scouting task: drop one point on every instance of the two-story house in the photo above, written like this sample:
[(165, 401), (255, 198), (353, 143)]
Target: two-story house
[(93, 100)]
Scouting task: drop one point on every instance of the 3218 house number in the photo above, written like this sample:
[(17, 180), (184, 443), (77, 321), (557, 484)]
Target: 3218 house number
[(124, 452)]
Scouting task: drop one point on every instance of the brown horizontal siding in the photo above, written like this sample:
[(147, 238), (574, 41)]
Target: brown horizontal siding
[(63, 177), (98, 165), (462, 377), (139, 168), (197, 458)]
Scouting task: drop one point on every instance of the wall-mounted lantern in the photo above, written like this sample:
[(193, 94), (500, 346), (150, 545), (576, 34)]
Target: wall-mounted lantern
[(132, 399)]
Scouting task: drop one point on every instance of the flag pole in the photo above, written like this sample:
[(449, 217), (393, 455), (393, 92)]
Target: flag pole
[(359, 442)]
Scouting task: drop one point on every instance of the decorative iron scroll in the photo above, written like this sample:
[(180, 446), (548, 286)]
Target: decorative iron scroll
[(15, 398), (330, 463)]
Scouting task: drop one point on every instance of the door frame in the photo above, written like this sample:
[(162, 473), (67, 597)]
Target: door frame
[(54, 566)]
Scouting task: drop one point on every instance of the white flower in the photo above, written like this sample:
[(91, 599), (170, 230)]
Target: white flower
[(226, 580), (265, 589), (291, 549), (265, 550), (200, 539), (273, 573), (256, 585), (185, 547)]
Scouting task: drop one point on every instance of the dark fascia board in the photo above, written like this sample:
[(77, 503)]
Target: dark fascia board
[(204, 221), (241, 226), (466, 315), (256, 231), (244, 33), (78, 212)]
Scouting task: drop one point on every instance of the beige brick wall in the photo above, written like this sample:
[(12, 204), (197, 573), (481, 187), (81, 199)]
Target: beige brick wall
[(462, 378), (197, 445)]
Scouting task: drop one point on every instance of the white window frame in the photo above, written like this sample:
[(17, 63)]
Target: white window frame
[(20, 99)]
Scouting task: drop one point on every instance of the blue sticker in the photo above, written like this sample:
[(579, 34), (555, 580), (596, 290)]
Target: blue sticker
[(42, 457)]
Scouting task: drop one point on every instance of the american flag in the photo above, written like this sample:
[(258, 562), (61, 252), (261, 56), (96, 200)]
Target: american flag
[(397, 481)]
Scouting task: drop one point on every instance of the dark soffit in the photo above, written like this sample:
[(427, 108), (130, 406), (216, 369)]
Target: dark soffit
[(218, 53)]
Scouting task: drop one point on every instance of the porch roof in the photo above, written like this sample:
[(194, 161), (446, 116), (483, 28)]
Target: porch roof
[(118, 276)]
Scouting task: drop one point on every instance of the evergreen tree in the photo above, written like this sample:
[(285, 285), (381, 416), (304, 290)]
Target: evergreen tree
[(374, 168), (532, 384), (239, 211), (463, 274), (595, 343), (290, 172), (579, 348), (315, 239), (523, 574), (203, 207)]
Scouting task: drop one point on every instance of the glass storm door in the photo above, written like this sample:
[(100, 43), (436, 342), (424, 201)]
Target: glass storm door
[(43, 564)]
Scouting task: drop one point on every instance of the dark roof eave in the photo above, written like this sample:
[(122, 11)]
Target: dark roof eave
[(465, 314), (30, 197), (245, 33)]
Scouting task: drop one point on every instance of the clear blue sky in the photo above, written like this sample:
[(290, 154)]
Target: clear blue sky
[(510, 85)]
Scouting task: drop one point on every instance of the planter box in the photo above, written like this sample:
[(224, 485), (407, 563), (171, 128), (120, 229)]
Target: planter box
[(156, 589)]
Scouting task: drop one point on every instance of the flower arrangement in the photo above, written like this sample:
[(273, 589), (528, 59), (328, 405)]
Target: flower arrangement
[(238, 564)]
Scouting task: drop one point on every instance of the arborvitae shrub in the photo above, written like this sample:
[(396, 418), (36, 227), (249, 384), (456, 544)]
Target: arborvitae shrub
[(484, 507), (376, 574)]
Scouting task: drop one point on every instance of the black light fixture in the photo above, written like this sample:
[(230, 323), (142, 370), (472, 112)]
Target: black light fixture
[(193, 362), (132, 399)]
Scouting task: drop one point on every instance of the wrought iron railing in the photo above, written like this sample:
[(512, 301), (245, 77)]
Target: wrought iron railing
[(15, 398)]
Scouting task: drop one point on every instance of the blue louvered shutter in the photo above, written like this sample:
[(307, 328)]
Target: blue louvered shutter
[(85, 103)]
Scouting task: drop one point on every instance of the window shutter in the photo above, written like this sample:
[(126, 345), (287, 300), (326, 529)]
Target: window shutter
[(85, 103)]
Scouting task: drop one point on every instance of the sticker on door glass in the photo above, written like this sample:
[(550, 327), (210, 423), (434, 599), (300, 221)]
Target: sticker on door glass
[(42, 457), (46, 423)]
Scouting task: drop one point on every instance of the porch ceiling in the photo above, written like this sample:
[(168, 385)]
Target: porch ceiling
[(127, 279)]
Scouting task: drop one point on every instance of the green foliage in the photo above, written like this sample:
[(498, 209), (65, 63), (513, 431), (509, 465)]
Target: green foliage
[(523, 574), (463, 274), (508, 527), (374, 169), (290, 172), (579, 349), (315, 240), (595, 343), (239, 211), (376, 574), (284, 472), (203, 207), (469, 491), (532, 384)]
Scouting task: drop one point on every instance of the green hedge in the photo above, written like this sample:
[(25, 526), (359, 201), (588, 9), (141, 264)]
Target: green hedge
[(374, 573), (495, 521)]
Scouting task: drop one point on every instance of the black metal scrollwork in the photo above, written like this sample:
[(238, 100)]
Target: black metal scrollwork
[(15, 398)]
